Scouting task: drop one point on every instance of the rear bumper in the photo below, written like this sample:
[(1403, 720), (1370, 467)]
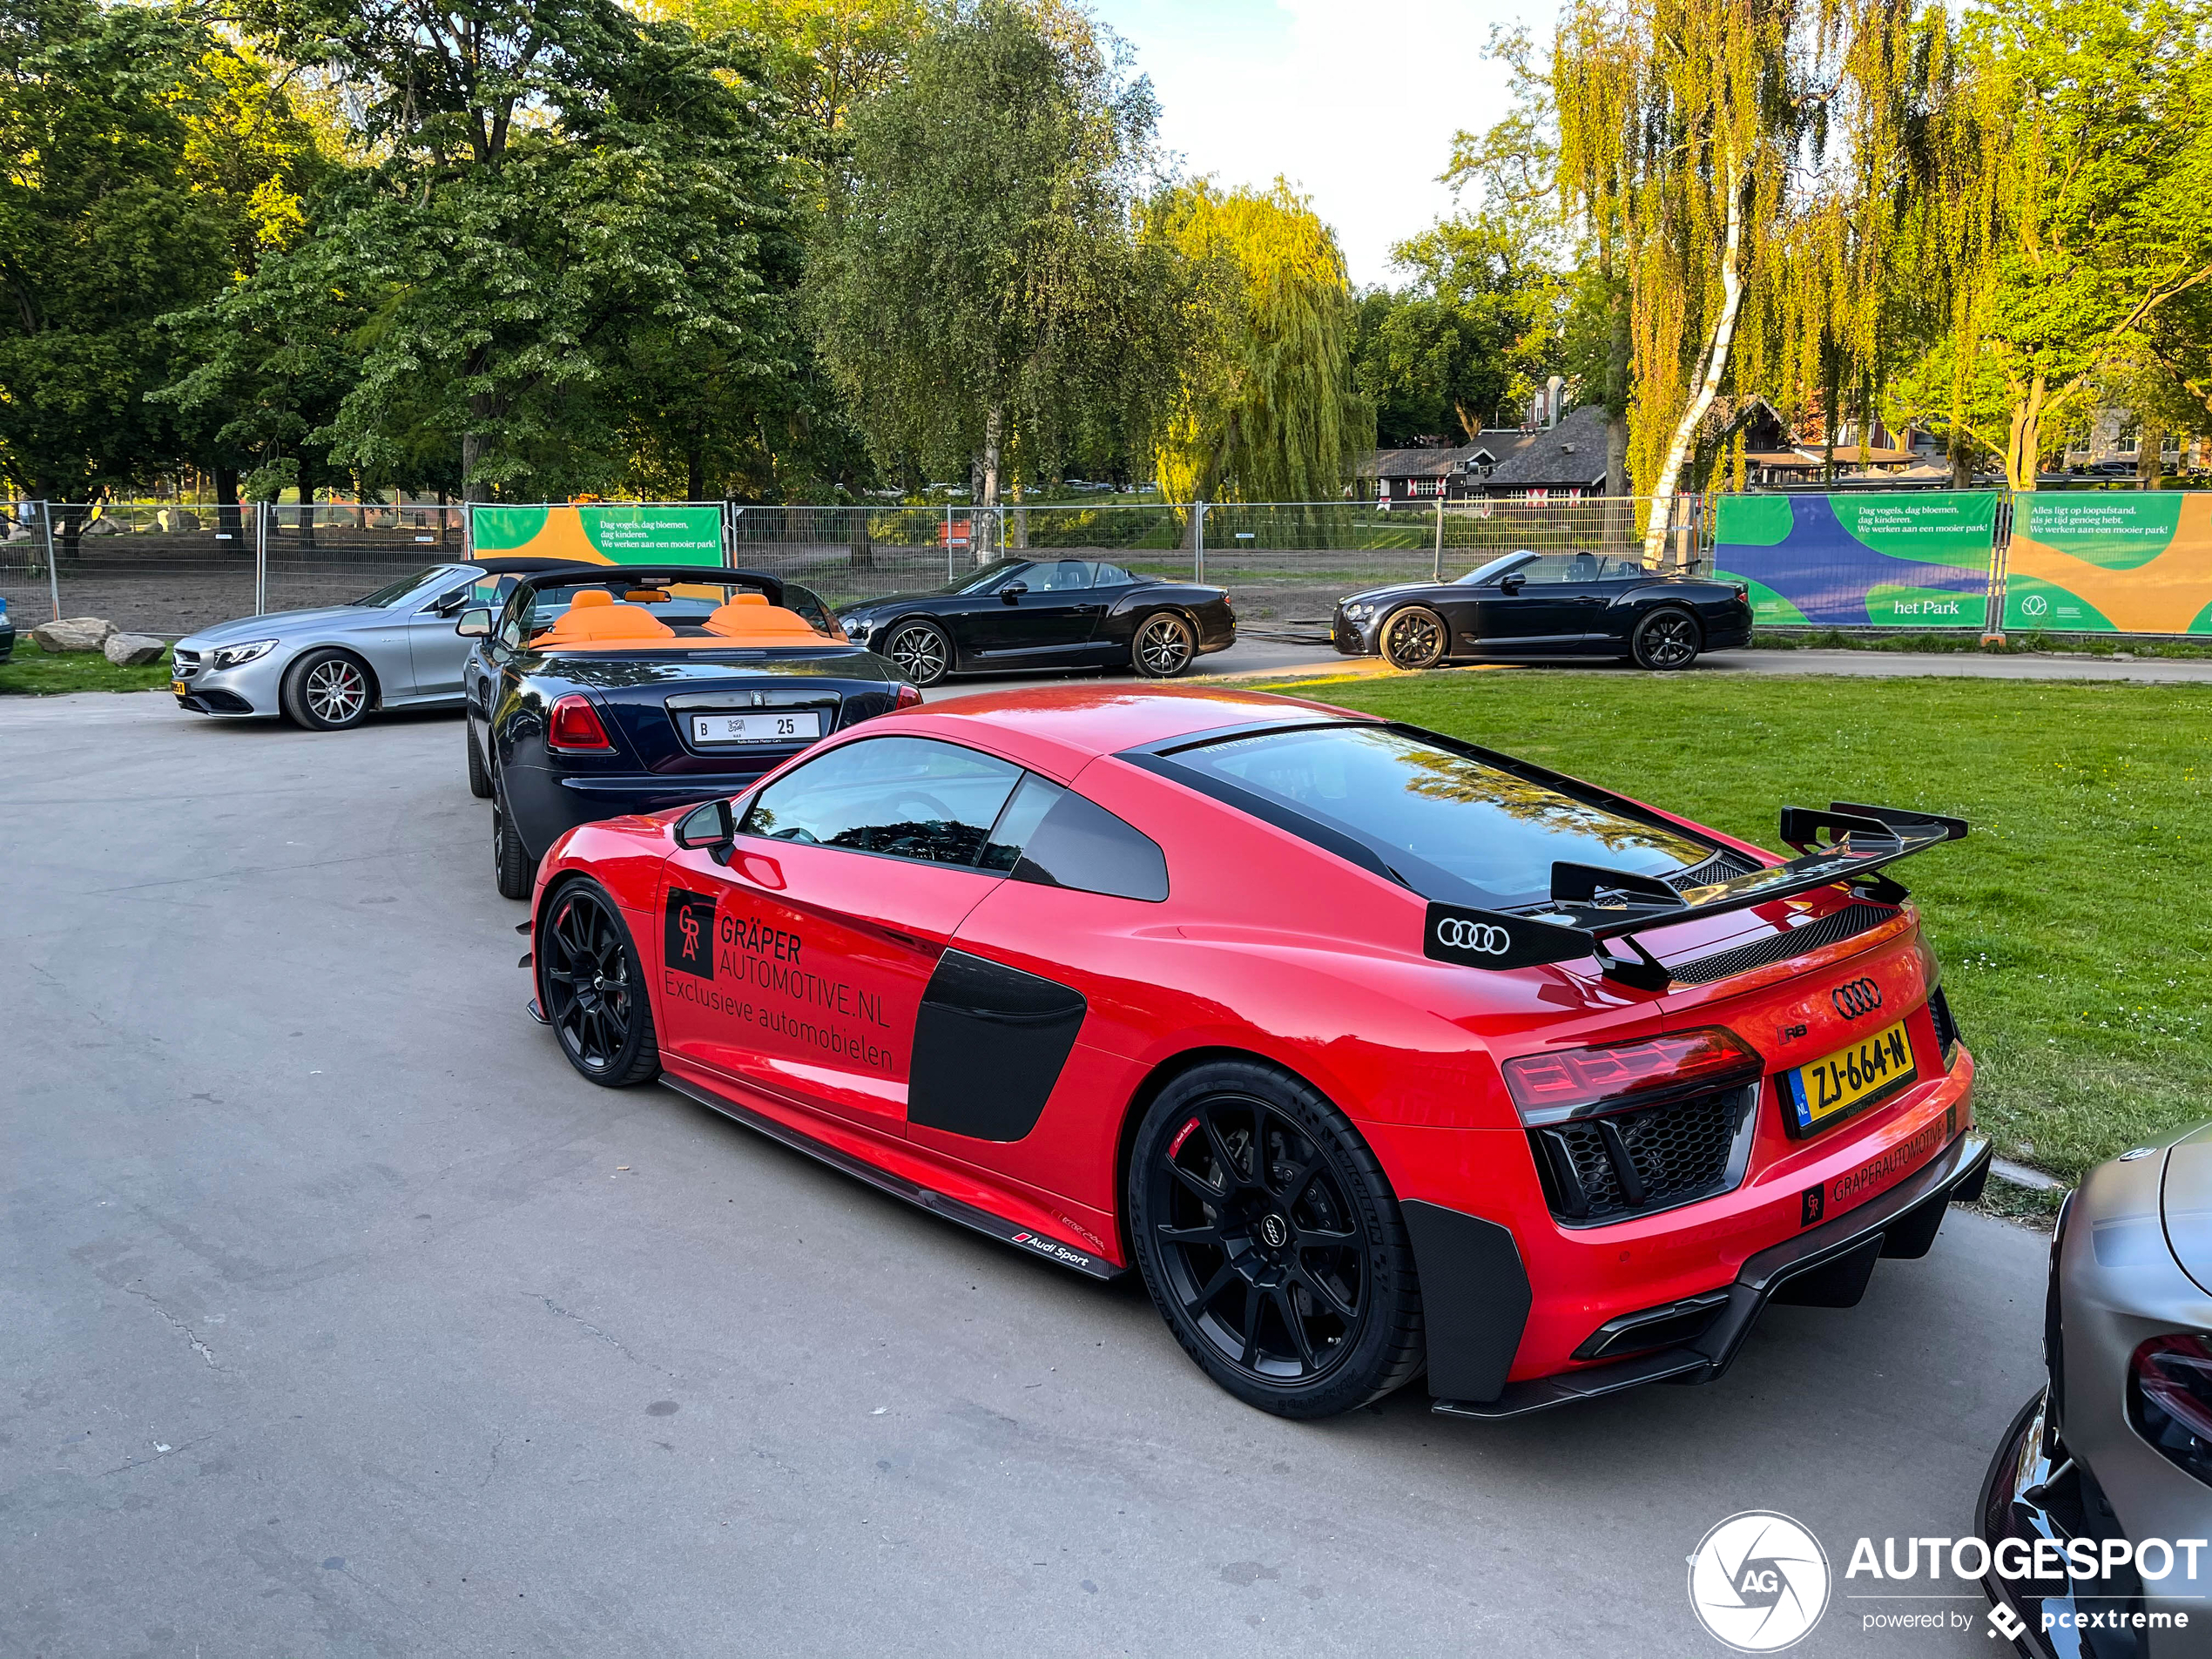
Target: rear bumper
[(1824, 1266)]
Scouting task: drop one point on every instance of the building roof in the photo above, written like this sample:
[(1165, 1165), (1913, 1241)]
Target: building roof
[(1491, 445), (1572, 453)]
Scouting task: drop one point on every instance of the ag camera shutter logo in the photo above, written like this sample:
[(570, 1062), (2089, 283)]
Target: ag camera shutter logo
[(1759, 1581), (1487, 938)]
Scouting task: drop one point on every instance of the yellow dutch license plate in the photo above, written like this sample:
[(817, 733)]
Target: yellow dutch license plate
[(1828, 1090), (177, 686)]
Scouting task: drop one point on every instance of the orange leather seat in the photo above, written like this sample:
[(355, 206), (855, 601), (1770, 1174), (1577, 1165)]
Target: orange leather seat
[(749, 617), (584, 622)]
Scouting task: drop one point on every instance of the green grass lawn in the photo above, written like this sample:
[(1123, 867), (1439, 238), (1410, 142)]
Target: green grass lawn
[(42, 673), (2071, 923)]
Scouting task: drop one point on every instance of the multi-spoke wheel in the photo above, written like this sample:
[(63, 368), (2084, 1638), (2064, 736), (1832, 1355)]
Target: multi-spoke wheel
[(1414, 637), (921, 652), (1270, 1242), (328, 690), (592, 987), (1165, 646), (1666, 639)]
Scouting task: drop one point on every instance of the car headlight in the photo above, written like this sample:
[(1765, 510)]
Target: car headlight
[(1357, 613), (232, 656)]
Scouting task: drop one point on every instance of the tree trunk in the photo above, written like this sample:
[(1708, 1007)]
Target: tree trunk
[(472, 455), (228, 521), (2148, 462), (2024, 447), (1962, 458), (1708, 381), (309, 476), (993, 430), (1619, 521)]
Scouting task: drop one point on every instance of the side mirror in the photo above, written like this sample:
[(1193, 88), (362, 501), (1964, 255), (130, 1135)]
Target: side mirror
[(1511, 582), (474, 624), (1012, 591), (712, 825)]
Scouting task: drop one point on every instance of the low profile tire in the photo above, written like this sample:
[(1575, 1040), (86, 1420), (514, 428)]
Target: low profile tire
[(1666, 639), (510, 861), (478, 773), (592, 987), (1272, 1244), (920, 650), (328, 690), (1164, 646), (1414, 637)]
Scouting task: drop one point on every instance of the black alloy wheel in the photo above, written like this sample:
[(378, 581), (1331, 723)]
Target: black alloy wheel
[(511, 865), (1270, 1243), (478, 773), (1414, 637), (1165, 646), (593, 989), (921, 652), (1666, 639), (328, 690)]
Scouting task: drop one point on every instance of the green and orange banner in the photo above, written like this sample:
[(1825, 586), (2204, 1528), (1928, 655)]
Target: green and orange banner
[(2138, 561), (604, 533)]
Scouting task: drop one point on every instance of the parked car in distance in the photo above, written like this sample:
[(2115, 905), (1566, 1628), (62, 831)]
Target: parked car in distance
[(2116, 1448), (607, 690), (1373, 1051), (7, 633), (326, 668), (1025, 613), (1526, 604)]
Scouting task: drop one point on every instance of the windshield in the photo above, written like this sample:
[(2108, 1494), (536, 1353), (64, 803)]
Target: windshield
[(989, 576), (682, 605), (1431, 813), (1497, 566), (392, 592)]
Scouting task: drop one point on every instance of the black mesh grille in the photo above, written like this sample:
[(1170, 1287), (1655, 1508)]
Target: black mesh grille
[(1851, 920), (1947, 1029), (1628, 1162), (1723, 866)]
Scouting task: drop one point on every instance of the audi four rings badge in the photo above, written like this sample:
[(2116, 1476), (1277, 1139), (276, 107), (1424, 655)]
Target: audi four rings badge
[(1860, 996), (1462, 934)]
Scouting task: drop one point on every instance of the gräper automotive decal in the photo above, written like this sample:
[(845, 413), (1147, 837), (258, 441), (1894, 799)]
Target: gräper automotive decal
[(688, 941), (1812, 1204)]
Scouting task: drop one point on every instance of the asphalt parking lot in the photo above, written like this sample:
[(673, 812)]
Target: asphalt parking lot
[(342, 1317)]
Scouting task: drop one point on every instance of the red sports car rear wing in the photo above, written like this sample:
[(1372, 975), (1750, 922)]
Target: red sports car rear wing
[(1590, 904)]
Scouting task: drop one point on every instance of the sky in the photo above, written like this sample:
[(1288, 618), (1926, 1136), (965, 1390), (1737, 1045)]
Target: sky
[(1354, 101)]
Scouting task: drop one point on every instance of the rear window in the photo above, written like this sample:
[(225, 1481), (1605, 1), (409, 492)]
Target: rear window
[(1452, 827)]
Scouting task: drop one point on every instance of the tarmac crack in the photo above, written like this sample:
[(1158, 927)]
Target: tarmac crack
[(555, 1308), (191, 1335)]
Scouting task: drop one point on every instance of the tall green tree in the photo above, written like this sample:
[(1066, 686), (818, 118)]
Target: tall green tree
[(1697, 134), (1266, 409), (978, 296), (2077, 205), (104, 230), (555, 180)]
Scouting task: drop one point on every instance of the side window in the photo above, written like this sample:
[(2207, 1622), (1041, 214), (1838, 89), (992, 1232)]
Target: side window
[(906, 798), (809, 608), (1060, 576), (1025, 810), (1556, 567), (1079, 844)]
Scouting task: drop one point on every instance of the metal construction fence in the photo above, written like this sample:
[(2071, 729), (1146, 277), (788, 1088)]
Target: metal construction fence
[(2137, 563)]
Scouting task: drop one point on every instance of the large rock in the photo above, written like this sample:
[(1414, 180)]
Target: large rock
[(134, 651), (73, 633)]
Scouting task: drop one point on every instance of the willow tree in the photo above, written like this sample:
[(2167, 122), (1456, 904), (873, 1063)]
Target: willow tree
[(1266, 410), (1699, 132), (2077, 205)]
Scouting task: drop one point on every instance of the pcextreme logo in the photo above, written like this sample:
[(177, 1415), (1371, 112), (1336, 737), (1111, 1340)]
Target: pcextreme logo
[(1759, 1581)]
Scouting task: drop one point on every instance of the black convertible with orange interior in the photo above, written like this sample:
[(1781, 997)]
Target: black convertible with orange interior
[(598, 692)]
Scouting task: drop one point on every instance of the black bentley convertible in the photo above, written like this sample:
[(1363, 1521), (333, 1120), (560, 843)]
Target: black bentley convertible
[(601, 691), (1046, 613), (1547, 604)]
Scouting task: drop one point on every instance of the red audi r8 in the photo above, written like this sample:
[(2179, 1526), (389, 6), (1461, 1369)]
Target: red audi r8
[(1372, 1050)]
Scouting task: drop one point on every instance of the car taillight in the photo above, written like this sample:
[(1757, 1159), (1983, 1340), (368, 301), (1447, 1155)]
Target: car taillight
[(573, 723), (2169, 1400), (909, 698), (1551, 1088)]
